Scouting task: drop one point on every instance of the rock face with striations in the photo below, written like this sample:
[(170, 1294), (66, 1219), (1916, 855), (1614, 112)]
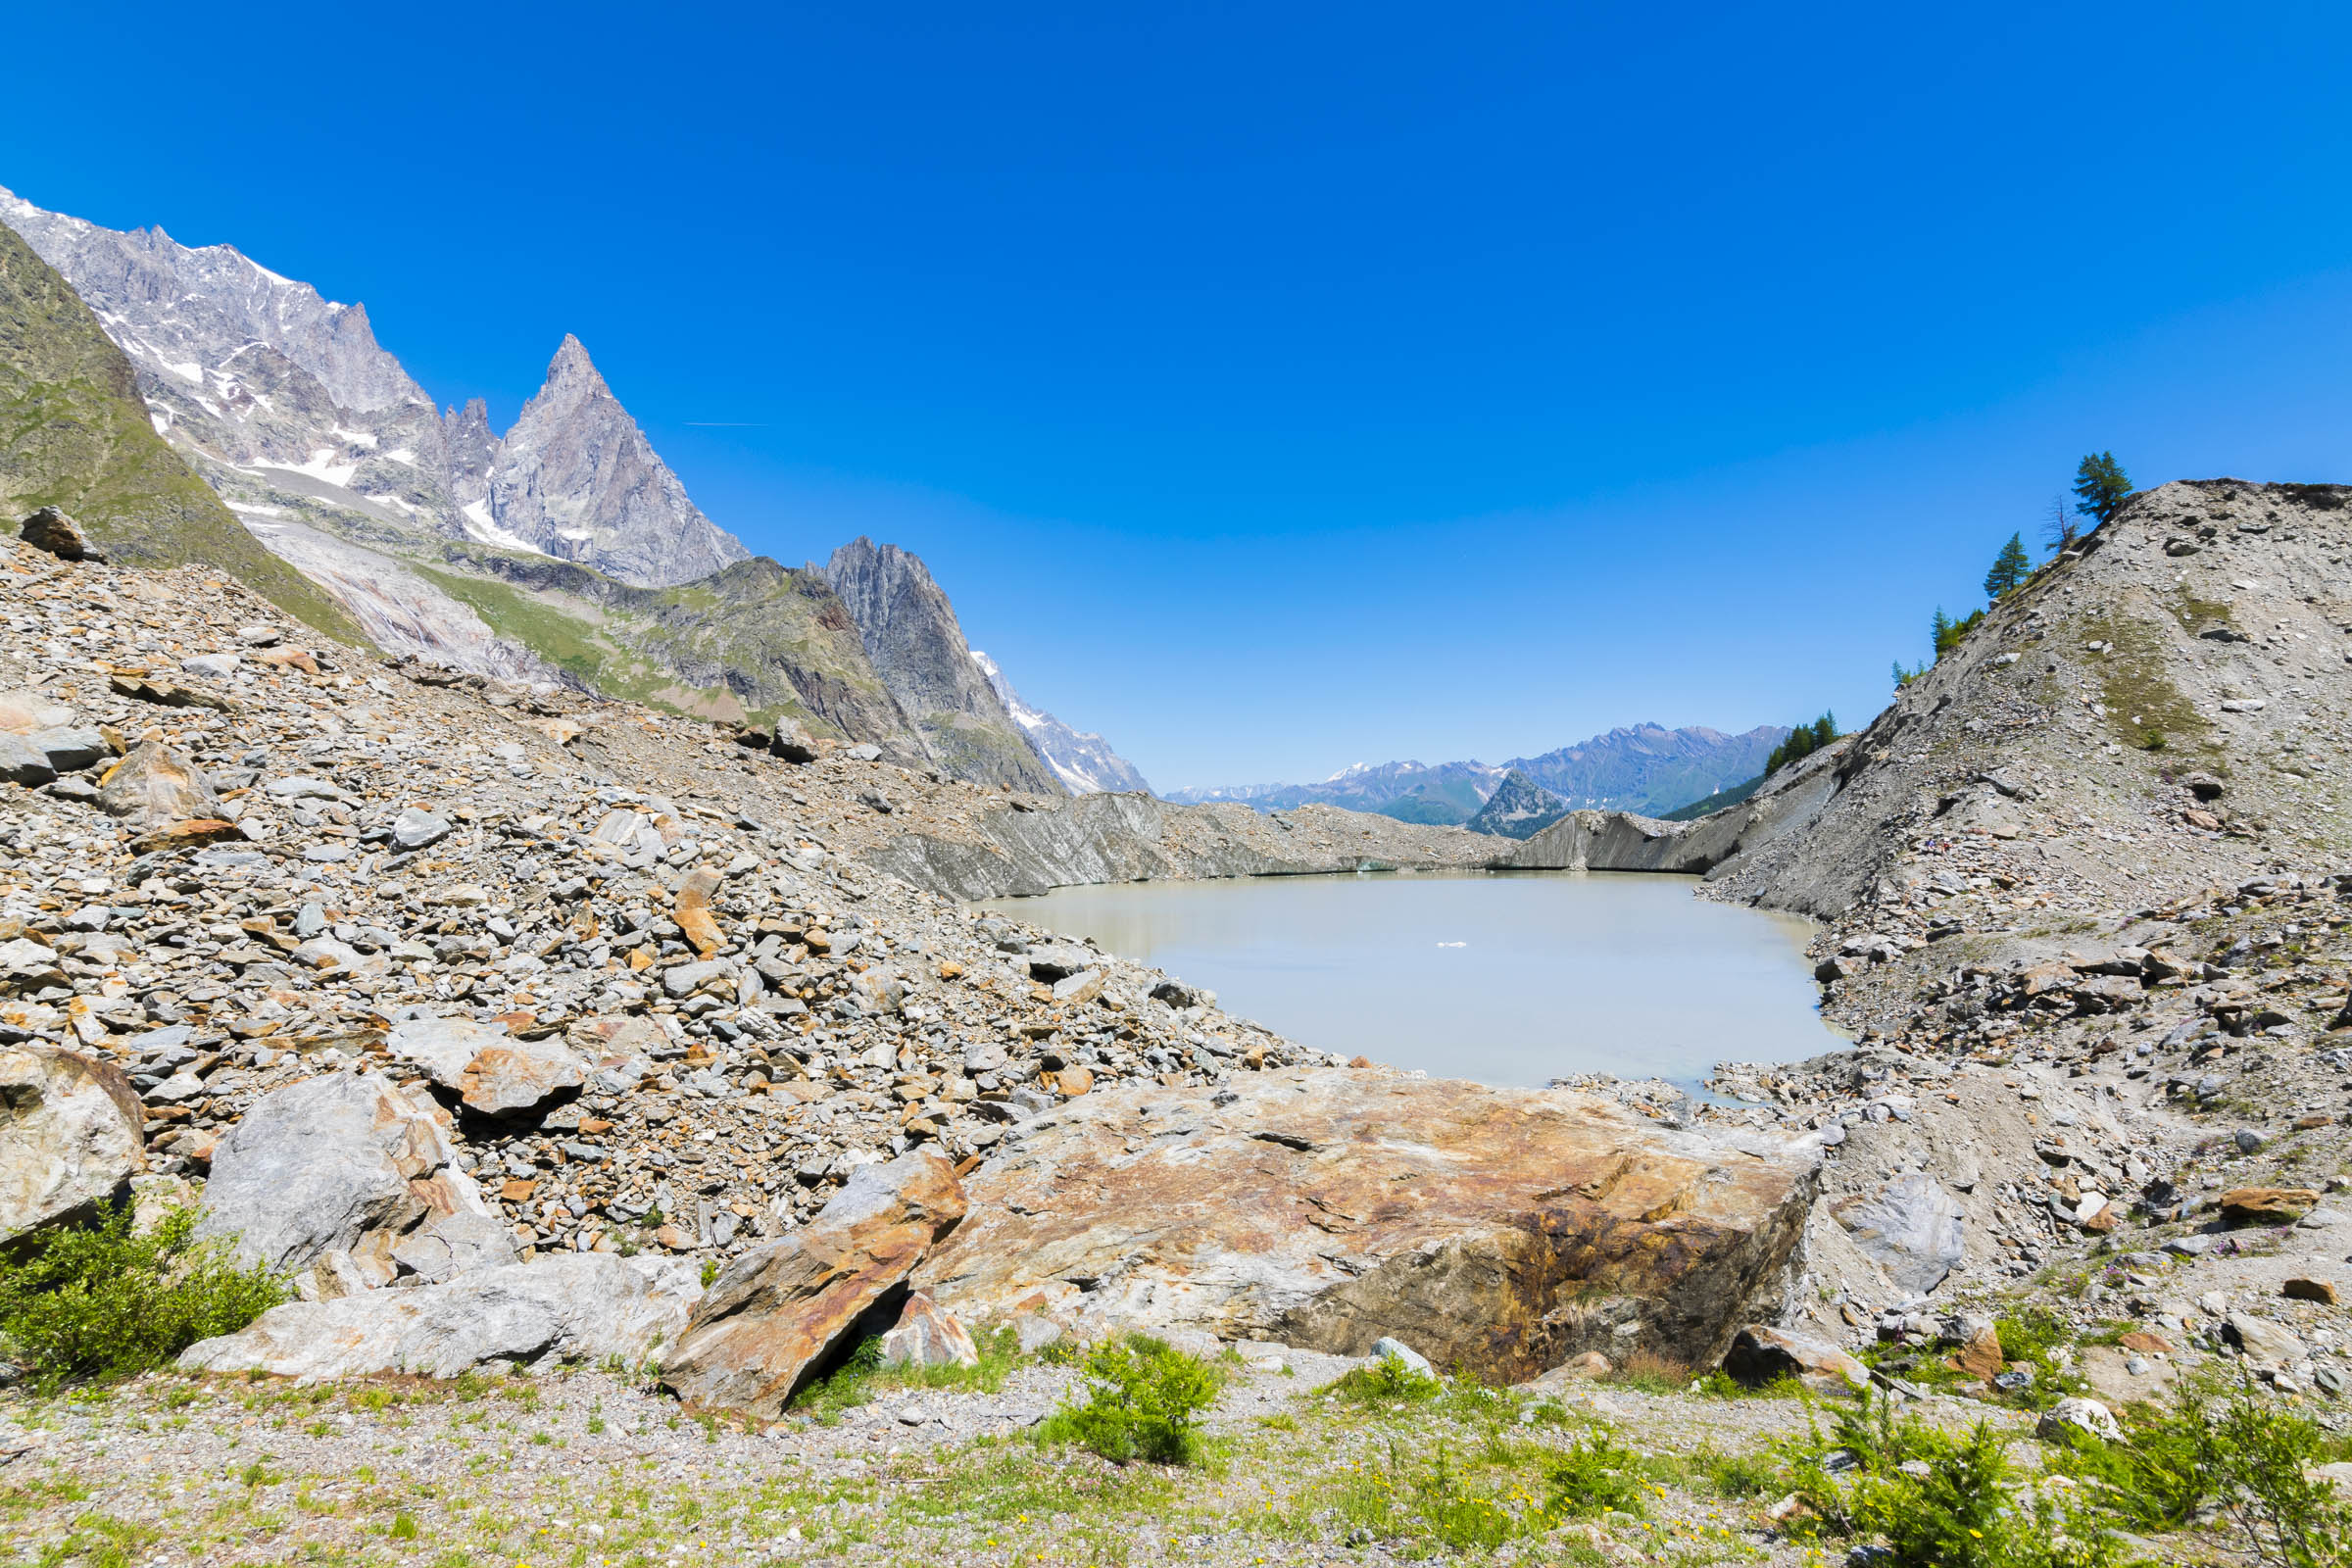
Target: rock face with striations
[(917, 646), (583, 1306), (346, 1175), (576, 479), (1505, 1230)]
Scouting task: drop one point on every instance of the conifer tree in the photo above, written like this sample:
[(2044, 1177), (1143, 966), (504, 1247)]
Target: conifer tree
[(2010, 567), (2100, 484)]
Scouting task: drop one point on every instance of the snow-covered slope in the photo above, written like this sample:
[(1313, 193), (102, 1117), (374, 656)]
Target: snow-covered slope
[(283, 399), (1080, 759)]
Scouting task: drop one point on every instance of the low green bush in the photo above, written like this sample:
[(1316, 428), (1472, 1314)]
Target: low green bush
[(1940, 1499), (1386, 1380), (108, 1302), (1597, 1474), (1145, 1400)]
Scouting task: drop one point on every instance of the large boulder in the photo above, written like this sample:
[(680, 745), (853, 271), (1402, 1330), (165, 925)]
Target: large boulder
[(1506, 1230), (772, 1319), (490, 1071), (71, 1136), (573, 1306), (342, 1175), (52, 530), (155, 784), (1911, 1228)]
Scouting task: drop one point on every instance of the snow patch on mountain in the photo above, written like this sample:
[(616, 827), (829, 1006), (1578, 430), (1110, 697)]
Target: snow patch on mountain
[(1082, 759)]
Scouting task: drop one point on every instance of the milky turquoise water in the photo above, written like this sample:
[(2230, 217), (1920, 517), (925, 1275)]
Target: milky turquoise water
[(1505, 979)]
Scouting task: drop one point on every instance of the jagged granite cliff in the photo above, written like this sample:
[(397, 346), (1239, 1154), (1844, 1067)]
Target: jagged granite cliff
[(917, 646), (577, 480), (564, 552), (1082, 759)]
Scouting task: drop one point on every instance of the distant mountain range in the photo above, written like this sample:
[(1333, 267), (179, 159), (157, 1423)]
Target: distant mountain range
[(1645, 767), (565, 550)]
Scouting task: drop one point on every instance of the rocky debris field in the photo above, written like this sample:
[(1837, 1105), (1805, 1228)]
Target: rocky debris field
[(2099, 957), (594, 1468), (670, 1013)]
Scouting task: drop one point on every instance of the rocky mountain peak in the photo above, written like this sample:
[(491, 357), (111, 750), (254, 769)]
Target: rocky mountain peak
[(473, 448), (576, 479), (1519, 809)]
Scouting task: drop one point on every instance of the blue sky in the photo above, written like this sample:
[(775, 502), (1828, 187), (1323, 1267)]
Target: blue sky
[(1274, 388)]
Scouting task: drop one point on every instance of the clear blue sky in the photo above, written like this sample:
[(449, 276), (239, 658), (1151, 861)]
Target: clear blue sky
[(1276, 387)]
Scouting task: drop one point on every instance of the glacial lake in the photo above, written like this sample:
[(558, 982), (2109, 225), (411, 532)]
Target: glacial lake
[(1505, 978)]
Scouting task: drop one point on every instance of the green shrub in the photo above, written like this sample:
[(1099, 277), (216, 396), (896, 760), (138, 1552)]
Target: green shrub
[(1439, 1501), (1145, 1402), (107, 1302), (1387, 1380), (1941, 1500), (1598, 1475), (2253, 1458)]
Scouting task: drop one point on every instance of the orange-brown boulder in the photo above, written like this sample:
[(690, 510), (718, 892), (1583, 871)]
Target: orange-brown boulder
[(1507, 1230), (775, 1317), (2267, 1206)]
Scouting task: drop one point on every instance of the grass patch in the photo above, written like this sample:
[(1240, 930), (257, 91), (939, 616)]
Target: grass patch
[(862, 1376), (107, 1303), (2145, 708)]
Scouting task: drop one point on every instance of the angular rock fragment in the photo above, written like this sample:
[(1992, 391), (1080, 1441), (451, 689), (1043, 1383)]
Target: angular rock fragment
[(692, 912), (1911, 1228), (155, 784), (341, 1163), (52, 530), (925, 1336), (773, 1316), (1761, 1355), (581, 1307), (490, 1071), (2267, 1206)]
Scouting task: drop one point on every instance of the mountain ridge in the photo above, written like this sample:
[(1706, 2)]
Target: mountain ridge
[(564, 552), (1081, 759), (1645, 768)]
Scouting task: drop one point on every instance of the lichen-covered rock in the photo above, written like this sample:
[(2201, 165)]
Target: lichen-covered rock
[(1505, 1230), (71, 1137), (771, 1319)]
